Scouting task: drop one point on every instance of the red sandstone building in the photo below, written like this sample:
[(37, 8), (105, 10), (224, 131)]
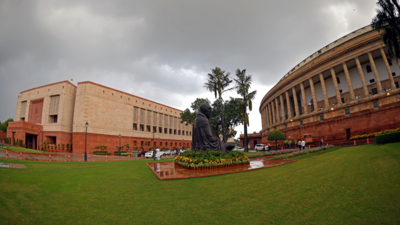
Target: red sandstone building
[(347, 88), (57, 114)]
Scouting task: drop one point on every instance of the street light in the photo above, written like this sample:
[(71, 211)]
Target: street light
[(153, 139), (119, 149), (38, 140), (87, 125)]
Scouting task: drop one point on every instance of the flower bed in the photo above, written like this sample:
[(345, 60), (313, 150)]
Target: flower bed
[(210, 159), (362, 136)]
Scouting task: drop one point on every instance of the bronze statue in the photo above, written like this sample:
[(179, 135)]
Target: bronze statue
[(202, 136)]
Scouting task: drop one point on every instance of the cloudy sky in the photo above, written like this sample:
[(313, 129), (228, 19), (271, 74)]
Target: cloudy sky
[(162, 50)]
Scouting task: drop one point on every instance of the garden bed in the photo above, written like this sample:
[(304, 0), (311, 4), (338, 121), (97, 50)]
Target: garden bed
[(210, 159)]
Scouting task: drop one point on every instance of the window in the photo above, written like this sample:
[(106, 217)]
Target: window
[(347, 111), (301, 122), (154, 129), (374, 91), (165, 131), (160, 130), (174, 132), (340, 91), (342, 100), (179, 132), (390, 62), (170, 131), (372, 81), (285, 126), (53, 118), (396, 84), (376, 105), (394, 74), (23, 110), (368, 68), (135, 126), (148, 128), (338, 80), (141, 127), (321, 117)]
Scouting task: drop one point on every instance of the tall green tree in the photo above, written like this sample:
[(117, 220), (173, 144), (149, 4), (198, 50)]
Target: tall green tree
[(387, 20), (231, 118), (218, 81), (187, 116), (243, 85)]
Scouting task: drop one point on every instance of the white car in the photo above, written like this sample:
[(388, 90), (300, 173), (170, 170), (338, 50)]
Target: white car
[(258, 147), (238, 148), (149, 154)]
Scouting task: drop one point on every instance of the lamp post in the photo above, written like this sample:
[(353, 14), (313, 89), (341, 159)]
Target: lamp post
[(119, 149), (38, 140), (153, 140), (87, 125), (158, 140), (183, 143)]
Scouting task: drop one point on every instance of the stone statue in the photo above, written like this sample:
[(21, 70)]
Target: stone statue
[(202, 136)]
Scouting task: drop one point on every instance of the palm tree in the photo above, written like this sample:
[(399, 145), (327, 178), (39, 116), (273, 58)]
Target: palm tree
[(218, 82), (243, 83), (387, 19)]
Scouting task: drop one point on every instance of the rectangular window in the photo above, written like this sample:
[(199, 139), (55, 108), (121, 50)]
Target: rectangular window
[(340, 91), (160, 130), (161, 116), (170, 131), (54, 102), (374, 91), (394, 74), (390, 62), (154, 129), (179, 132), (135, 114), (148, 128), (165, 131), (142, 115), (301, 122), (148, 119), (348, 134), (321, 117), (342, 100), (23, 109), (141, 127), (53, 118), (396, 84), (174, 132), (347, 111), (372, 81), (135, 126), (376, 105), (338, 80)]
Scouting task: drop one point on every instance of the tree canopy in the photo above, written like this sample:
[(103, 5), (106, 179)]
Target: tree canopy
[(4, 125), (387, 20), (276, 136)]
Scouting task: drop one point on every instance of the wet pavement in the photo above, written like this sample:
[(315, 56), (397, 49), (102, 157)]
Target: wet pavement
[(18, 166), (171, 171), (64, 157)]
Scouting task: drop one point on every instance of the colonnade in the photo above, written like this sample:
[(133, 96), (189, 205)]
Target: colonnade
[(271, 114)]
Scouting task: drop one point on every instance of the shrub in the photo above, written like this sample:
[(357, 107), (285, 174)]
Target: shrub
[(117, 152), (68, 147), (388, 138), (63, 145), (101, 153), (310, 143), (276, 135), (20, 143)]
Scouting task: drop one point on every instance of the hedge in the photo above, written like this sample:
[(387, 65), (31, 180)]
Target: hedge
[(117, 152), (388, 138), (101, 153)]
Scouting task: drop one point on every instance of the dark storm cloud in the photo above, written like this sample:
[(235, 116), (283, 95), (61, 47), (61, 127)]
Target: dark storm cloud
[(162, 50)]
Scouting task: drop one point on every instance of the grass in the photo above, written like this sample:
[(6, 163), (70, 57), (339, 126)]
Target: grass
[(26, 150), (355, 185)]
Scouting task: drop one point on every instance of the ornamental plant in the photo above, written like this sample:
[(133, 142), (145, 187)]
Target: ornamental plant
[(195, 159), (276, 135)]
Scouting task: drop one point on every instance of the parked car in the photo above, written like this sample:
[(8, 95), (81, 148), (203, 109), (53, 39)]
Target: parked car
[(149, 154), (238, 148), (140, 154), (258, 147)]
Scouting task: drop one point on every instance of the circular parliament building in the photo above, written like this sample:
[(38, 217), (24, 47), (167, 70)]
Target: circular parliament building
[(349, 87)]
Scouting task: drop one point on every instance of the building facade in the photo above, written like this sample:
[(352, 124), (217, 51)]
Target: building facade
[(347, 88), (57, 114)]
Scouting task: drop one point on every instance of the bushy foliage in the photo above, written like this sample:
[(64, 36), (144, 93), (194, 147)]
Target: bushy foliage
[(4, 125), (363, 136), (101, 153), (388, 138), (197, 159)]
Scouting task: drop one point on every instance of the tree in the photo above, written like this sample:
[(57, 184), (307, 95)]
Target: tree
[(243, 84), (219, 82), (237, 142), (387, 19), (127, 147), (231, 118), (4, 125), (187, 116), (276, 135)]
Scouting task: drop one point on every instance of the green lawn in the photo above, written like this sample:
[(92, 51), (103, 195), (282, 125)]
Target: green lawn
[(26, 150), (355, 185)]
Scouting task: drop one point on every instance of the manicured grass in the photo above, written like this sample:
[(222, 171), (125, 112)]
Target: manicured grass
[(355, 185), (26, 150)]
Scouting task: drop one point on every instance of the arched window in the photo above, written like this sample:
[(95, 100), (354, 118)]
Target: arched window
[(368, 69)]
